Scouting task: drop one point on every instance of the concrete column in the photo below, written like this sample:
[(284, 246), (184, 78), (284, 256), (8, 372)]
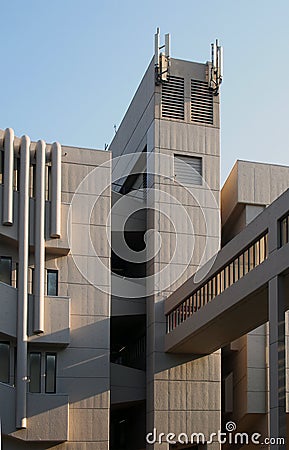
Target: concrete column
[(23, 253), (39, 238), (7, 215), (277, 371), (55, 224)]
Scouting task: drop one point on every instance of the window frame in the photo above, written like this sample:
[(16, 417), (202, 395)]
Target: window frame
[(48, 272), (55, 371), (10, 259), (7, 343), (40, 372)]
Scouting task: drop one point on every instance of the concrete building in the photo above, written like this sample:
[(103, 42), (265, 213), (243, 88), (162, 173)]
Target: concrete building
[(135, 294)]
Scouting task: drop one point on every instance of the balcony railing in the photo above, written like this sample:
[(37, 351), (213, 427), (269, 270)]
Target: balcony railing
[(251, 257)]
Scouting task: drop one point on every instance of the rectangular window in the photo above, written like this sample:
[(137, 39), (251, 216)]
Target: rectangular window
[(4, 362), (33, 180), (6, 269), (1, 166), (52, 282), (47, 182), (50, 373), (35, 372), (188, 170), (16, 174)]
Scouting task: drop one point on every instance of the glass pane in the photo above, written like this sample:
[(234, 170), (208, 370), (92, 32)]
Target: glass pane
[(52, 282), (50, 377), (5, 269), (4, 362), (35, 372)]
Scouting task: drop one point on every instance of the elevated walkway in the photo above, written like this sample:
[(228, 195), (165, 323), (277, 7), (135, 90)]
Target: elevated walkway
[(232, 298)]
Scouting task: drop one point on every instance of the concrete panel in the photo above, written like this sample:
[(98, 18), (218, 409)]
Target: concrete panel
[(87, 425), (47, 418), (127, 384), (7, 414), (123, 306), (87, 300), (56, 321), (84, 327), (90, 393), (8, 307), (83, 363)]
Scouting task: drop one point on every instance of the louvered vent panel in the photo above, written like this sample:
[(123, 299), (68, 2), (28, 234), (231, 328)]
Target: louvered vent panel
[(201, 102), (173, 98), (188, 170)]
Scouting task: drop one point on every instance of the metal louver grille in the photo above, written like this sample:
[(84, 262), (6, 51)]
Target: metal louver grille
[(188, 170), (201, 102), (173, 98)]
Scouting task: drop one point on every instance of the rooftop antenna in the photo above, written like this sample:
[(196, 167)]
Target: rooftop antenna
[(216, 67), (162, 59)]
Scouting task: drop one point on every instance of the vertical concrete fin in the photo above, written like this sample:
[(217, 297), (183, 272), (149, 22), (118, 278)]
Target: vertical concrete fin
[(39, 238), (7, 214), (55, 224), (23, 254)]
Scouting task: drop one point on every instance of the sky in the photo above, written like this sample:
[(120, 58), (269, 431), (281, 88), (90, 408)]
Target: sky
[(69, 68)]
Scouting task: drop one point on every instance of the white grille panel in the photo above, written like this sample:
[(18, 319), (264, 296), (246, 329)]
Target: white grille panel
[(201, 102), (173, 98), (188, 169)]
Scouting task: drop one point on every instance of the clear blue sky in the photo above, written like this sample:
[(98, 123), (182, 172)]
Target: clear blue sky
[(69, 68)]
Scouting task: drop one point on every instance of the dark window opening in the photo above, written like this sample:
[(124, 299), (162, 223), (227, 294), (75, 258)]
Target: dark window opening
[(4, 362), (128, 341), (48, 183), (6, 270)]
